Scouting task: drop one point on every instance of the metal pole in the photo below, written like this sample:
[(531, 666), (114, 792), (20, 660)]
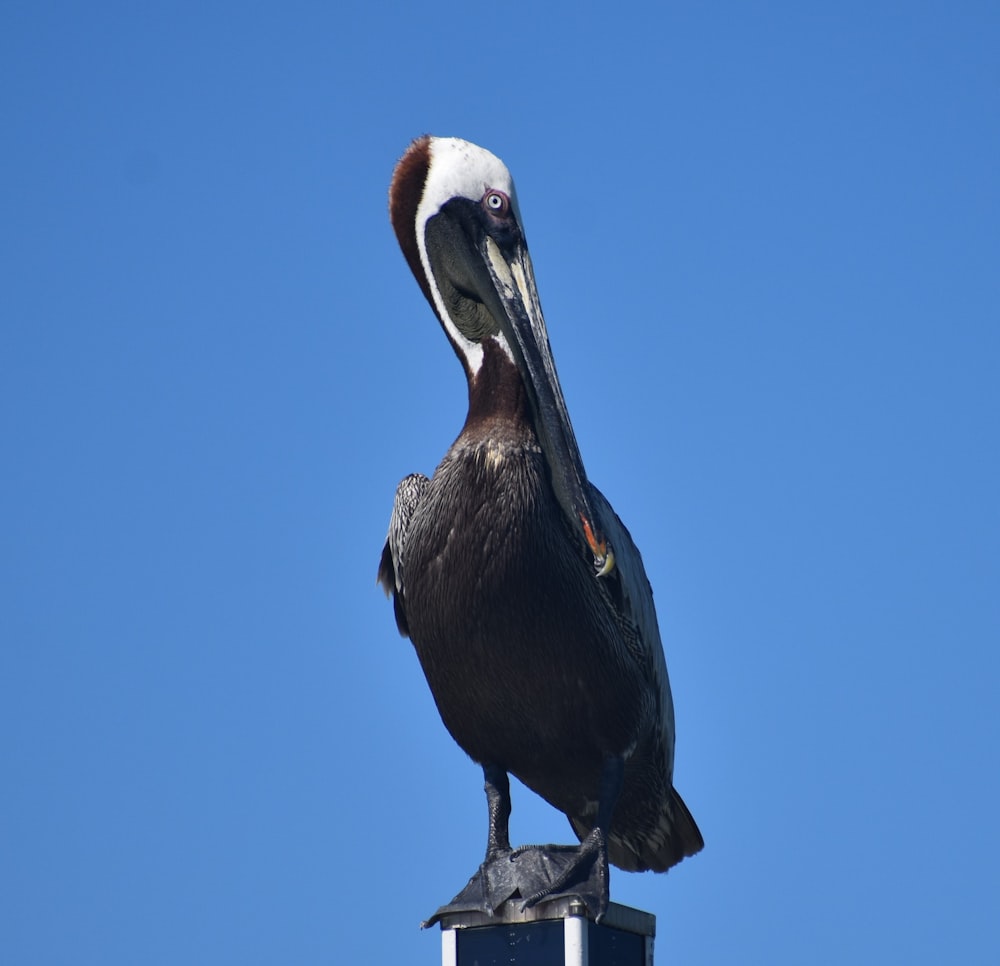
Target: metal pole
[(555, 933)]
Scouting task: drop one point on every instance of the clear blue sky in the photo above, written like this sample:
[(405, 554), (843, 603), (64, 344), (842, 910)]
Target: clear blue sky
[(767, 239)]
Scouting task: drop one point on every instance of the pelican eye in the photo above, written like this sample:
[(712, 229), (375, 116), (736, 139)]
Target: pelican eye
[(496, 202)]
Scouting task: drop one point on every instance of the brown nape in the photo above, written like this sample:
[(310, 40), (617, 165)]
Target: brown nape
[(405, 192), (498, 400)]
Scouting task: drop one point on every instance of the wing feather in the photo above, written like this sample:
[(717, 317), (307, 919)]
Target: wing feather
[(392, 569)]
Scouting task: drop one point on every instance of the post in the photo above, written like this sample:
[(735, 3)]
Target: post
[(554, 933)]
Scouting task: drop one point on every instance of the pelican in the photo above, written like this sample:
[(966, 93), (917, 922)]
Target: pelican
[(522, 592)]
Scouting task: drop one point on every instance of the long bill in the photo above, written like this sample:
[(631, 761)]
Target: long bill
[(523, 325)]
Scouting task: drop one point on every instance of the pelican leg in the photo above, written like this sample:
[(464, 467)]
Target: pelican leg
[(496, 880), (497, 786)]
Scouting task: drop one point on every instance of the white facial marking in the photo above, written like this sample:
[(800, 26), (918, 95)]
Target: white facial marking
[(459, 169), (500, 266), (522, 284)]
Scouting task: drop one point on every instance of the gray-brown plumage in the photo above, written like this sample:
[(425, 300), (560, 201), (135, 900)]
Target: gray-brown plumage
[(522, 592)]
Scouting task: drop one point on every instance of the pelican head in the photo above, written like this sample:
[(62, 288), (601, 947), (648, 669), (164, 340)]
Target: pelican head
[(455, 213)]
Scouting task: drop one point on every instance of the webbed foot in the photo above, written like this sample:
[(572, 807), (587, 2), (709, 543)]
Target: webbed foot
[(493, 884), (537, 873), (554, 871), (534, 874)]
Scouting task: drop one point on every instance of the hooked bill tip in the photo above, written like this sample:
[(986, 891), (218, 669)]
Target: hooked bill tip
[(605, 566)]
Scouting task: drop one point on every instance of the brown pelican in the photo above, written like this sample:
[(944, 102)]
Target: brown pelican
[(522, 592)]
